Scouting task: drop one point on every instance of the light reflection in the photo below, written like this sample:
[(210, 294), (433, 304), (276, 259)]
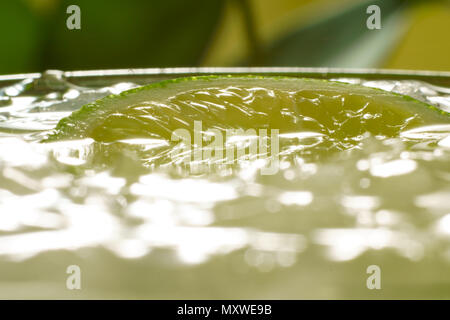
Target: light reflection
[(104, 180), (29, 210), (62, 180), (164, 212), (301, 135), (387, 217), (348, 244), (427, 132), (185, 190), (445, 142), (393, 168), (300, 198), (85, 225), (73, 152), (436, 201), (20, 178), (147, 144), (130, 248), (355, 203), (195, 245), (15, 152), (443, 226)]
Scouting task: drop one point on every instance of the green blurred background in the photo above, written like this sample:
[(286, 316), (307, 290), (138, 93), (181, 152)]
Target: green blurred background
[(179, 33)]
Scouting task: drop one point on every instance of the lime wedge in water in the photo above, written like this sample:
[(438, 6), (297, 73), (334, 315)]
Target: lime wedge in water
[(340, 111)]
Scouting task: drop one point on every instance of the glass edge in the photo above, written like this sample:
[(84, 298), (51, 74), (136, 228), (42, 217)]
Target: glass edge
[(153, 74)]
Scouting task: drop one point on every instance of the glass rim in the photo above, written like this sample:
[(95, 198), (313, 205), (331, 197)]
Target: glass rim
[(154, 74)]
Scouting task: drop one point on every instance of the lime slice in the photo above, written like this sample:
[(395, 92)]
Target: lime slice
[(343, 112)]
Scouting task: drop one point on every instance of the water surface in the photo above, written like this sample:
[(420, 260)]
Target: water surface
[(140, 231)]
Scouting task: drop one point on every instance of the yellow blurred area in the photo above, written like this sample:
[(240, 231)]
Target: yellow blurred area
[(270, 19), (426, 45), (43, 7)]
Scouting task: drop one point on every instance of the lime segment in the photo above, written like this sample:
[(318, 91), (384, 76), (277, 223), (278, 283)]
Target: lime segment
[(340, 111)]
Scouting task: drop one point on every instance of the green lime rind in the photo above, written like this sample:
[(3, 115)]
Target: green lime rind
[(78, 124)]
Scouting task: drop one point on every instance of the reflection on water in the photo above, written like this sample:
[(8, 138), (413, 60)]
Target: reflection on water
[(310, 231)]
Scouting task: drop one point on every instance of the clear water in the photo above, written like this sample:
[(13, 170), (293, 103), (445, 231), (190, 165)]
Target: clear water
[(310, 231)]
